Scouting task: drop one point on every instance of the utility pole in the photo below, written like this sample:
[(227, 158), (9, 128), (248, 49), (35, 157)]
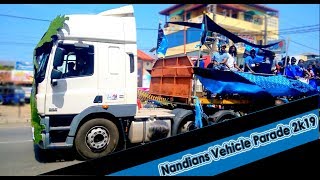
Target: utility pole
[(213, 8), (265, 29), (285, 59), (214, 11)]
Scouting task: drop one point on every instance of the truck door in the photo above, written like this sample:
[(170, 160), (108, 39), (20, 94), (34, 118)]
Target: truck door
[(77, 88), (113, 80)]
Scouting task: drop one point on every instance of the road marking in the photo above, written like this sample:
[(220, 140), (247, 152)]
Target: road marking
[(7, 127), (11, 142)]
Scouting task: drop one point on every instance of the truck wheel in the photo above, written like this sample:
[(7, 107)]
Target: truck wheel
[(96, 138), (176, 111), (226, 117), (183, 122), (223, 115), (186, 127)]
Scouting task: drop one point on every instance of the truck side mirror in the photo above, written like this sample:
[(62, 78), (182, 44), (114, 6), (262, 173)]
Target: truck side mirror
[(58, 57), (55, 74)]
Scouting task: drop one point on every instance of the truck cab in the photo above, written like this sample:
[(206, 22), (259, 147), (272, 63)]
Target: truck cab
[(86, 84)]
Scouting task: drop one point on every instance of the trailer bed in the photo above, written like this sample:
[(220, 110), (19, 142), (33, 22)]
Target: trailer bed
[(153, 112)]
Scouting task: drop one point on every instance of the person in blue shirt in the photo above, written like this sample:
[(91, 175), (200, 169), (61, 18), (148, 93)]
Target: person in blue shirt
[(249, 62), (221, 57), (201, 62), (297, 70), (293, 70)]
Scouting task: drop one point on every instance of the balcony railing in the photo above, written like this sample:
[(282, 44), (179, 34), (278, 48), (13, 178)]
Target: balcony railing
[(238, 23), (223, 21)]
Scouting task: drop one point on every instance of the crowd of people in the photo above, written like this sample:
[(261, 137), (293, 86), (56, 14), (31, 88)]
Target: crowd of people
[(301, 70), (266, 64)]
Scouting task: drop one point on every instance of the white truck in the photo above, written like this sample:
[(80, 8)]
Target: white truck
[(86, 87)]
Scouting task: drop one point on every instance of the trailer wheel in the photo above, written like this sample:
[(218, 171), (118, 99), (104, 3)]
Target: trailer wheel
[(186, 127), (183, 122), (96, 138), (223, 115)]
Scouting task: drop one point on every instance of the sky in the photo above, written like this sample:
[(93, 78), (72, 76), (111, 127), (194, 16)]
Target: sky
[(23, 25)]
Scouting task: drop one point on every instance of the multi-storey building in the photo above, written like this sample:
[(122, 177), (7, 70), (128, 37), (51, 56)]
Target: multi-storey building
[(253, 22)]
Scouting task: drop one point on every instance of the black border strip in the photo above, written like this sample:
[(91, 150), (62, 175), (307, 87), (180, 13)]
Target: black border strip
[(144, 153), (301, 161)]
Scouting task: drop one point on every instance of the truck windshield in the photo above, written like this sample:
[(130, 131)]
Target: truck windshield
[(43, 62)]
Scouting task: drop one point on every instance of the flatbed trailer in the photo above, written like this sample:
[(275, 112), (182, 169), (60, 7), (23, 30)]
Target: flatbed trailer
[(172, 79)]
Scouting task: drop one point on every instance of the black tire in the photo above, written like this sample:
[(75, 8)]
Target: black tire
[(183, 122), (104, 131), (186, 126), (176, 111), (224, 115), (14, 103)]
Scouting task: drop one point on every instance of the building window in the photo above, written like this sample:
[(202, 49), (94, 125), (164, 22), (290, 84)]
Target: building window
[(257, 20), (248, 17), (271, 22)]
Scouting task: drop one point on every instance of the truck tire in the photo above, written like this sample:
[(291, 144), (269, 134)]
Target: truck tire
[(96, 138), (177, 110), (183, 122), (14, 103), (223, 115)]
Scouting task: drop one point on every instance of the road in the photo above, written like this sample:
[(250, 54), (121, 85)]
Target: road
[(19, 157)]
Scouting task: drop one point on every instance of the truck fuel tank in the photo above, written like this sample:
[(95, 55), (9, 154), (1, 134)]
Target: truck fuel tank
[(149, 130)]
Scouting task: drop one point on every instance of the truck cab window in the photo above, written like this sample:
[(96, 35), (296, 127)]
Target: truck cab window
[(78, 61)]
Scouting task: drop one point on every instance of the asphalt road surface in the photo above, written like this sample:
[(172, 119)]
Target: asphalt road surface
[(19, 157)]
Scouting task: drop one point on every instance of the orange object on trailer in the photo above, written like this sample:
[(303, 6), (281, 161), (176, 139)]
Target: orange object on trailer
[(172, 78)]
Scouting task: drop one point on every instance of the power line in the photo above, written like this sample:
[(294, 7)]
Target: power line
[(45, 20), (305, 45), (290, 24), (21, 17), (17, 43), (299, 27), (300, 44), (292, 30), (154, 29)]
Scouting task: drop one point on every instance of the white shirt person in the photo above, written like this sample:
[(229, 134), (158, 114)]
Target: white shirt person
[(231, 62)]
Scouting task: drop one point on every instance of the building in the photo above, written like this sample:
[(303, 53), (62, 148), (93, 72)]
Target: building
[(6, 65), (5, 77), (308, 57), (145, 63), (244, 20), (16, 72), (311, 56)]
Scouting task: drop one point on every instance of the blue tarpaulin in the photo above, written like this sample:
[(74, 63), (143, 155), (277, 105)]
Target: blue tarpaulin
[(162, 43), (232, 82)]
